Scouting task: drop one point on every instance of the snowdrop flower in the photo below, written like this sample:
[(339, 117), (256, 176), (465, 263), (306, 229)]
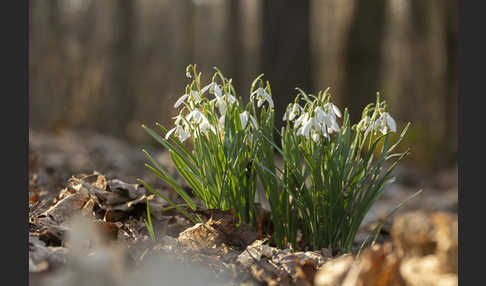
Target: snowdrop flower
[(181, 133), (262, 96), (391, 122), (307, 126), (221, 121), (181, 100), (216, 90), (231, 98), (365, 124), (206, 88), (384, 123), (295, 109), (179, 130), (301, 120), (220, 103), (204, 125), (196, 115), (327, 120), (333, 109), (244, 116)]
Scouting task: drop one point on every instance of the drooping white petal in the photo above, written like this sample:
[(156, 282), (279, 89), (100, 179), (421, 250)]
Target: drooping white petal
[(260, 102), (183, 134), (178, 119), (195, 96), (244, 118), (268, 98), (196, 115), (180, 100), (253, 121), (230, 98), (216, 90), (336, 110), (391, 122), (307, 127), (315, 136), (221, 121), (320, 114), (205, 125), (170, 133), (301, 119), (296, 109), (204, 89)]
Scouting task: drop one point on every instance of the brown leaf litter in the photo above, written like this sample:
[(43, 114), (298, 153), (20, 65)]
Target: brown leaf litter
[(422, 250)]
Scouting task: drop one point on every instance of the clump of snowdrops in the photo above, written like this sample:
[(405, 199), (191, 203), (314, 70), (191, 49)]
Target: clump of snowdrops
[(225, 138), (333, 171), (332, 174)]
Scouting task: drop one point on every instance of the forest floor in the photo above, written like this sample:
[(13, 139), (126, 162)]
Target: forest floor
[(87, 227)]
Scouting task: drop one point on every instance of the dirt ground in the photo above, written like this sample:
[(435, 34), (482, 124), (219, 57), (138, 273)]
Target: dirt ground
[(87, 227)]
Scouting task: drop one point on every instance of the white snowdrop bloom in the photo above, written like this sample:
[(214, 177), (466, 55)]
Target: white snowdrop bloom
[(307, 126), (221, 121), (216, 90), (384, 123), (188, 74), (301, 120), (231, 98), (195, 115), (207, 87), (220, 104), (334, 109), (244, 118), (262, 96), (180, 132), (204, 125), (183, 134), (320, 115), (181, 100), (391, 122), (295, 110), (178, 119)]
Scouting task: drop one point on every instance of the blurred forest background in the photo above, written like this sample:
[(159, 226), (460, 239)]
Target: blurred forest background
[(111, 65)]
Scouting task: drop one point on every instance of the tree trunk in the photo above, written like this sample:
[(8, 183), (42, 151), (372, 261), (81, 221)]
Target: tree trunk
[(286, 51), (363, 57), (118, 98)]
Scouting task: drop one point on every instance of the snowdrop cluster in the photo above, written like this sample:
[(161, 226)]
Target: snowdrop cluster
[(318, 120), (323, 189), (379, 121), (201, 111)]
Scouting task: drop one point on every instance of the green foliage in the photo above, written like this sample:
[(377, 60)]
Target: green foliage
[(331, 176), (224, 133)]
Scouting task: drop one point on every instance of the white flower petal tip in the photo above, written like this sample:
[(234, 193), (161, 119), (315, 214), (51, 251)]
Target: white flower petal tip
[(262, 96), (336, 110), (180, 100), (244, 118), (253, 121), (391, 122), (167, 136)]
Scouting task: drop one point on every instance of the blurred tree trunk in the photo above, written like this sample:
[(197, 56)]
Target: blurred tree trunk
[(286, 50), (118, 97), (363, 57), (451, 19), (236, 44)]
